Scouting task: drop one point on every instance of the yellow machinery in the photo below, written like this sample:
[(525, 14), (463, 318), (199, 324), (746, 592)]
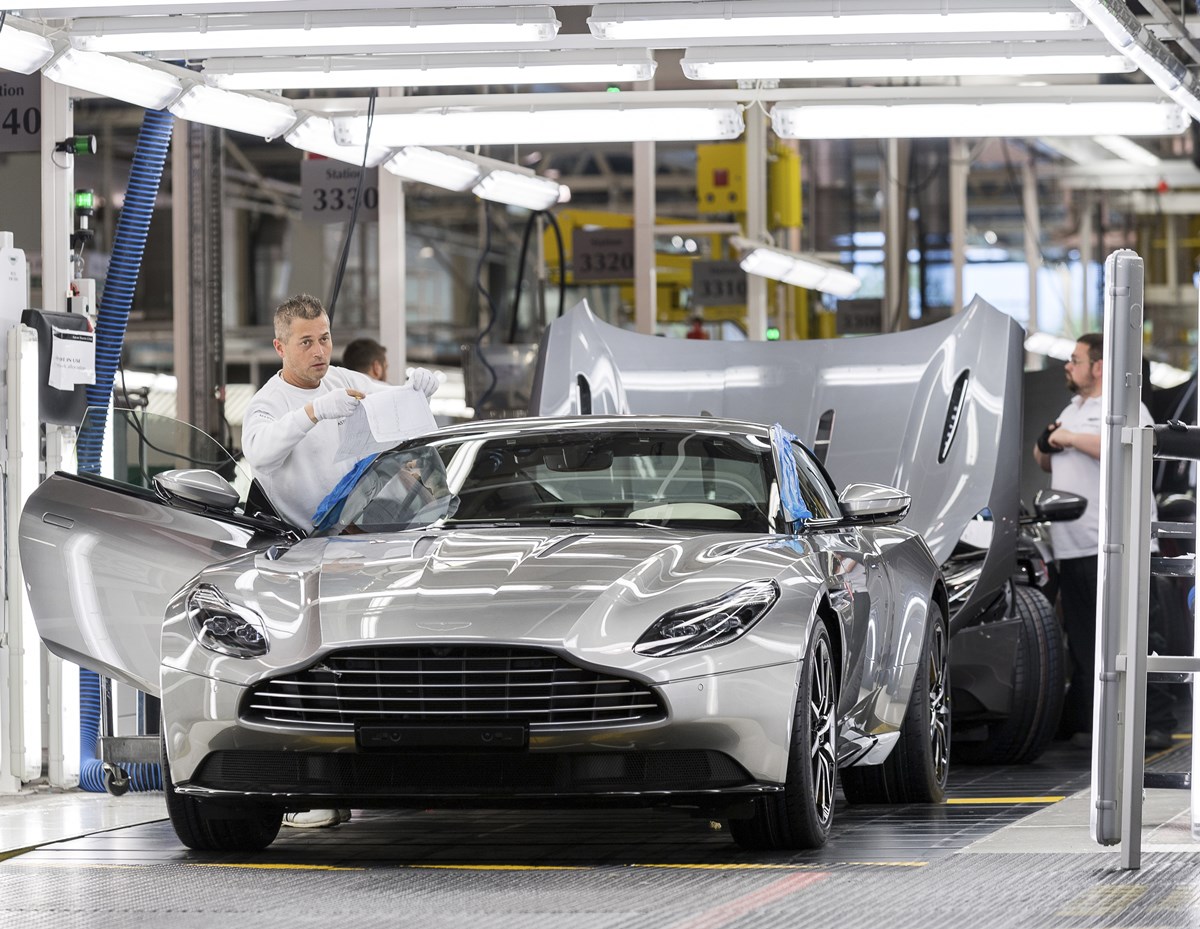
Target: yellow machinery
[(605, 249)]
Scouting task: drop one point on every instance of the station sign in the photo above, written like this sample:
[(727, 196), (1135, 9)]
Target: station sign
[(602, 254), (328, 189), (20, 112), (718, 283)]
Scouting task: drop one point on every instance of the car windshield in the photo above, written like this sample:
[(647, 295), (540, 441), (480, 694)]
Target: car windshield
[(668, 477)]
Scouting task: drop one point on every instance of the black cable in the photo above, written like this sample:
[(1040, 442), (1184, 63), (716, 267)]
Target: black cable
[(516, 301), (562, 263), (362, 176), (487, 296)]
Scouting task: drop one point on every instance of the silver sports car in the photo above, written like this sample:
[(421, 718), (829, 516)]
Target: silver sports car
[(588, 610)]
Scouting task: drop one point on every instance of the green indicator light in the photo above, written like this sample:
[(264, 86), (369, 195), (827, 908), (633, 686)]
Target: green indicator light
[(612, 90), (772, 334), (85, 200)]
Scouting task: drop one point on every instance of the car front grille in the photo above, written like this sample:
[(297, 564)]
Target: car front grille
[(427, 683)]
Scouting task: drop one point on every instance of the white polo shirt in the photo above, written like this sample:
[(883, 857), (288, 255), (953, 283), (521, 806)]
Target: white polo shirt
[(1079, 473)]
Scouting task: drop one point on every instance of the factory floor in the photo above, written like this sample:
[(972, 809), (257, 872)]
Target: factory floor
[(1010, 847)]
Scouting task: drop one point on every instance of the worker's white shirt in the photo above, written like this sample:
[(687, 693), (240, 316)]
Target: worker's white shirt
[(292, 457), (1074, 471)]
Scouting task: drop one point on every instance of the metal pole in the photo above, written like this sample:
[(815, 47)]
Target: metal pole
[(756, 218)]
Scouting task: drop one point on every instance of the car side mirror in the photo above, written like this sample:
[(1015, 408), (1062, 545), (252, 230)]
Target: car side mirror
[(1057, 506), (194, 485), (873, 503)]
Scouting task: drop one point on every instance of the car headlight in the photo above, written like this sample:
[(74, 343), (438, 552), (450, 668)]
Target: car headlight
[(709, 624), (224, 627)]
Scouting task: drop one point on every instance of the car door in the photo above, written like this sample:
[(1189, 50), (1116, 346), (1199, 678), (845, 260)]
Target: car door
[(101, 560), (858, 588)]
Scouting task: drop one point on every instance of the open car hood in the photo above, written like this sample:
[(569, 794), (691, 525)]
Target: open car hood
[(934, 411)]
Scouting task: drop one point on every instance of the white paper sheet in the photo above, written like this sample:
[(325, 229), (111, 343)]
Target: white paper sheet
[(72, 358), (383, 420)]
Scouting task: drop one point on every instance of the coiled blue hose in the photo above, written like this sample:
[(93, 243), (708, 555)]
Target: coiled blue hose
[(129, 244)]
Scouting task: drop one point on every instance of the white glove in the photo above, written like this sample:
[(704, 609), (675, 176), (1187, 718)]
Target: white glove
[(424, 380), (337, 404)]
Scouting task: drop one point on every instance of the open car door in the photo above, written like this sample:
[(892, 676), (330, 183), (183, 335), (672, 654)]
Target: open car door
[(102, 557)]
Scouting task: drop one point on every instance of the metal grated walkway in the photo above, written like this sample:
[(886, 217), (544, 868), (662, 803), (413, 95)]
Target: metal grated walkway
[(897, 867)]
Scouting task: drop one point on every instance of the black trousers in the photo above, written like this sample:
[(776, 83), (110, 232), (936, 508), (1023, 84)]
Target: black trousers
[(1077, 595)]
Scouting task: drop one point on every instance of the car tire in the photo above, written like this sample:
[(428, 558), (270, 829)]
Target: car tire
[(1038, 687), (919, 763), (233, 831), (801, 814)]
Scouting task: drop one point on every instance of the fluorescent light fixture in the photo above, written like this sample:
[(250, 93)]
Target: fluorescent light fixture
[(1127, 34), (488, 178), (1128, 150), (517, 189), (1052, 346), (449, 170), (745, 18), (114, 77), (316, 134), (965, 120), (240, 112), (790, 62), (794, 268), (23, 52), (537, 126), (441, 70), (195, 32)]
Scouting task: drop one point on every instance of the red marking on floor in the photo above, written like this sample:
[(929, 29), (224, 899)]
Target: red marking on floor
[(739, 906)]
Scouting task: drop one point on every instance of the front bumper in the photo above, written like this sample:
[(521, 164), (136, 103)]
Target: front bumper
[(723, 733)]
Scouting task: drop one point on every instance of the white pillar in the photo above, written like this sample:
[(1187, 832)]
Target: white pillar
[(1033, 236), (960, 168), (393, 303), (645, 206), (756, 218)]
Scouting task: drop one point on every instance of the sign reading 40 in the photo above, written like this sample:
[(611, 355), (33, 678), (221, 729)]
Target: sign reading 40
[(21, 113)]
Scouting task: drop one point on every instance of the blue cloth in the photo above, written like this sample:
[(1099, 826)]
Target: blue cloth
[(1192, 599), (789, 477), (330, 509)]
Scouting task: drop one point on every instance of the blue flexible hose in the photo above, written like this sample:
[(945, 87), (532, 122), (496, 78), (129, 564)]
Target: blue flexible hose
[(129, 244)]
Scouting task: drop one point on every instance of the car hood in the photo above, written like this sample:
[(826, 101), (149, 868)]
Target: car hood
[(531, 585), (564, 588)]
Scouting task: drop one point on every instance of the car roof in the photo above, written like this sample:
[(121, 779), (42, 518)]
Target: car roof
[(611, 423)]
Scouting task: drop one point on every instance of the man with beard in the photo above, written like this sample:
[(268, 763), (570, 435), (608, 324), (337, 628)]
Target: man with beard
[(1070, 450)]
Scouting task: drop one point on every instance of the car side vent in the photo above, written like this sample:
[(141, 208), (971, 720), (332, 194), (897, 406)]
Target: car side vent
[(820, 448), (958, 399), (585, 395)]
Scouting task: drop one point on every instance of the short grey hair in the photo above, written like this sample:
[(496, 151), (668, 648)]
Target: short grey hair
[(301, 306)]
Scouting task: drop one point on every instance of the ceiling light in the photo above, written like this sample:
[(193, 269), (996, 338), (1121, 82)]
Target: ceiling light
[(518, 189), (489, 179), (544, 125), (194, 32), (247, 113), (448, 170), (23, 52), (442, 70), (719, 19), (1127, 34), (1129, 150), (966, 120), (781, 62), (114, 77), (794, 268), (316, 134)]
